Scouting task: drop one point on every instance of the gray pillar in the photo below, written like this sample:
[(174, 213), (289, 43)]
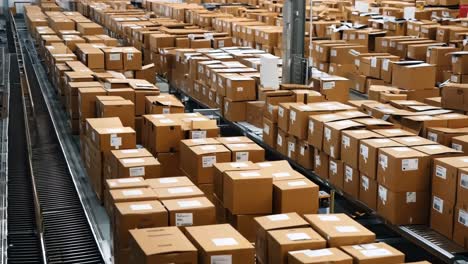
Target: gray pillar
[(294, 65)]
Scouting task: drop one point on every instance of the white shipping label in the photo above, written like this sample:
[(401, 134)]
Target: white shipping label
[(333, 53), (114, 56), (346, 229), (298, 236), (266, 129), (129, 180), (385, 64), (311, 126), (333, 167), (250, 174), (133, 160), (279, 141), (292, 116), (438, 204), (198, 134), (382, 194), (348, 174), (327, 133), (317, 253), (441, 172), (365, 183), (132, 192), (239, 165), (129, 151), (184, 219), (242, 156), (464, 180), (278, 217), (328, 218), (432, 136), (410, 197), (409, 164), (221, 259), (180, 190), (463, 217), (208, 161), (457, 147), (296, 183), (137, 171), (383, 161), (129, 56), (373, 62), (346, 141), (140, 207), (225, 241), (318, 161), (364, 150), (280, 111), (166, 110), (115, 141), (168, 180), (302, 150), (189, 203), (376, 252), (328, 85), (281, 174)]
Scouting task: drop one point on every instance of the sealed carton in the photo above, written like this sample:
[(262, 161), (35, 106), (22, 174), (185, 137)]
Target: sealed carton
[(321, 163), (332, 136), (123, 109), (146, 167), (161, 133), (305, 156), (124, 183), (163, 104), (403, 169), (222, 168), (270, 132), (300, 196), (368, 191), (239, 186), (351, 181), (169, 163), (336, 172), (190, 211), (268, 223), (374, 253), (455, 96), (220, 243), (319, 256), (164, 244), (368, 154), (280, 242), (403, 208), (340, 229), (413, 76), (245, 224), (350, 141), (460, 229), (246, 152)]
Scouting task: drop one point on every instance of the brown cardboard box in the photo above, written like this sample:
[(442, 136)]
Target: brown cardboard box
[(280, 242), (393, 132), (460, 229), (239, 186), (240, 88), (305, 157), (145, 214), (336, 173), (282, 142), (321, 164), (351, 181), (222, 168), (315, 128), (123, 109), (270, 132), (168, 182), (165, 244), (442, 216), (413, 77), (89, 28), (292, 147), (445, 177), (220, 242), (283, 115), (190, 211), (170, 163), (332, 136), (403, 208), (163, 104), (163, 134), (113, 58), (268, 223), (413, 141), (455, 96), (319, 256), (146, 167), (289, 195), (234, 111), (374, 253), (132, 59), (403, 169), (459, 62), (455, 120), (368, 191), (368, 154), (350, 141), (125, 183), (87, 101), (199, 160), (246, 152), (245, 224), (420, 124), (340, 229), (178, 192), (111, 138)]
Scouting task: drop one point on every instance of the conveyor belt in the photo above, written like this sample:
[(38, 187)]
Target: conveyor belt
[(67, 236)]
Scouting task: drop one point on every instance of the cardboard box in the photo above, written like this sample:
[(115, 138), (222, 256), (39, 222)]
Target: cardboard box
[(170, 163), (336, 173), (402, 169), (168, 182), (199, 160), (146, 167), (300, 196), (459, 62), (161, 133), (246, 152), (145, 214), (368, 191), (374, 253), (403, 208), (222, 168), (321, 163), (132, 59), (351, 181), (316, 126), (234, 111), (220, 242), (112, 138), (340, 229), (268, 223), (332, 136), (113, 58), (460, 229), (442, 215), (162, 244), (240, 88), (282, 241), (350, 141), (270, 132), (318, 256), (368, 154), (163, 104), (305, 157), (123, 109), (455, 96), (177, 192), (413, 76), (190, 211), (239, 186), (445, 177), (124, 183)]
